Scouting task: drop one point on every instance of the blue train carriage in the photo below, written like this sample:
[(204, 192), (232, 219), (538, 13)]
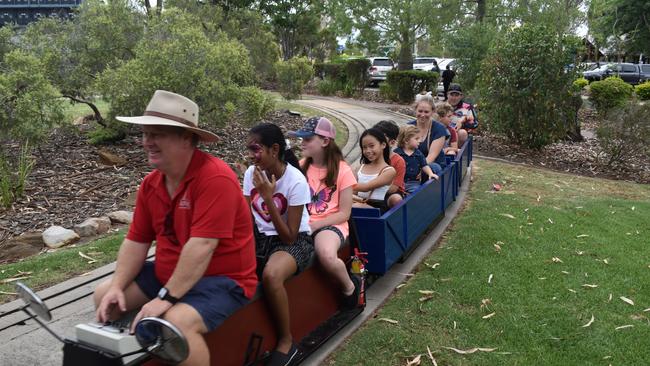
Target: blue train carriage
[(389, 237)]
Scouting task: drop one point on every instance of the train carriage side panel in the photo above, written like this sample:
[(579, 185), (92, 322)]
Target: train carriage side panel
[(371, 229), (447, 178), (422, 208)]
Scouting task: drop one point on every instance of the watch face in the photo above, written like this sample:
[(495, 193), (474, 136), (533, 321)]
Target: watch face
[(162, 293)]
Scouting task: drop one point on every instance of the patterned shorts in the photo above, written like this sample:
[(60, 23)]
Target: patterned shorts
[(334, 229), (302, 250)]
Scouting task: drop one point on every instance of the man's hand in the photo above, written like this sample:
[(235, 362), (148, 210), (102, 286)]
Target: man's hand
[(155, 307), (114, 296)]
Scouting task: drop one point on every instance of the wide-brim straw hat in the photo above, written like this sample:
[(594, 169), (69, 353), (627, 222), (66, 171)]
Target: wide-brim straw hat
[(171, 109)]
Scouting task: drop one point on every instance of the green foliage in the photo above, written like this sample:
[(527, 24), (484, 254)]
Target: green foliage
[(176, 55), (404, 85), (328, 86), (356, 72), (13, 175), (5, 41), (293, 75), (470, 45), (624, 133), (74, 52), (527, 95), (580, 83), (620, 25), (610, 93), (643, 90), (30, 104), (107, 135), (387, 92)]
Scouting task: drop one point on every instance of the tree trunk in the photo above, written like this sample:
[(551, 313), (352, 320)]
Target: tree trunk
[(480, 10), (98, 116), (405, 55)]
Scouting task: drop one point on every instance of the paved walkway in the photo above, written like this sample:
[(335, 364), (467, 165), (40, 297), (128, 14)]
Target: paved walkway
[(26, 343)]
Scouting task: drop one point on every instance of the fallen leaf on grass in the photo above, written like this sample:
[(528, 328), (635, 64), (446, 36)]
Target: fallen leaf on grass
[(490, 278), (572, 290), (610, 298), (556, 260), (86, 274), (607, 357), (605, 261), (8, 280), (497, 247), (590, 286), (8, 293), (425, 298), (582, 236), (579, 252), (432, 266), (387, 320), (485, 303), (551, 221), (633, 208), (489, 315), (646, 310), (627, 300), (426, 292), (624, 326), (590, 321), (565, 272), (91, 260), (21, 273), (508, 216), (539, 197), (471, 350), (400, 286), (433, 360), (455, 324), (415, 361), (541, 278)]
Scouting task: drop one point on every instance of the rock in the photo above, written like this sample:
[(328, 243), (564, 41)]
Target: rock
[(15, 249), (57, 236), (121, 217), (93, 226), (108, 158)]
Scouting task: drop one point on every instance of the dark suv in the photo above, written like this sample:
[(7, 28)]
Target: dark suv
[(630, 73), (645, 73)]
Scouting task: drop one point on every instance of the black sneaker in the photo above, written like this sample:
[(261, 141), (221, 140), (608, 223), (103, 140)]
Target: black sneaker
[(283, 359), (352, 301)]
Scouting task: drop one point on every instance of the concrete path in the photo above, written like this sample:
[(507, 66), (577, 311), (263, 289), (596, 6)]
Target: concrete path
[(26, 343)]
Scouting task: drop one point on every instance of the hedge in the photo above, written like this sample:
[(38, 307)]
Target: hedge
[(402, 86)]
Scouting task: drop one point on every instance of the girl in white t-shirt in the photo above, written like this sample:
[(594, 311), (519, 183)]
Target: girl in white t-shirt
[(375, 174), (278, 192)]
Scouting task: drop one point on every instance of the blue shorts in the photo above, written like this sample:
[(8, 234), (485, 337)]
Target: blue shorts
[(213, 297)]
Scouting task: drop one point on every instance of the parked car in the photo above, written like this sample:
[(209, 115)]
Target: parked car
[(443, 62), (379, 67), (645, 73), (425, 64), (630, 73)]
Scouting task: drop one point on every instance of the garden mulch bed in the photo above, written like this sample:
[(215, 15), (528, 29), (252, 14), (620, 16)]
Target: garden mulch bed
[(69, 183)]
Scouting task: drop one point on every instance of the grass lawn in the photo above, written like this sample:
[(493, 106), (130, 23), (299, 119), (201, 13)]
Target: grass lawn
[(306, 112), (45, 270), (522, 272)]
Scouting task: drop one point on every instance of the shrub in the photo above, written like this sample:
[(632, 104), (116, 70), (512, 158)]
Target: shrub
[(526, 93), (624, 131), (610, 93), (13, 175), (328, 86), (293, 75), (643, 90), (580, 83), (470, 45), (386, 92), (406, 84), (176, 55), (334, 71), (356, 74)]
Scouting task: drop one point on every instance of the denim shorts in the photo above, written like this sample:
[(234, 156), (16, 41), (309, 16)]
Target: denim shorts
[(213, 297)]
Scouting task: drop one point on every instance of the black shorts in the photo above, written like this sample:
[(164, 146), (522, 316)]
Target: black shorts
[(302, 250), (333, 229)]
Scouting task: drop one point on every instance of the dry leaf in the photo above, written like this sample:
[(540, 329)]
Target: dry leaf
[(646, 310), (572, 290), (579, 252), (541, 278), (556, 260), (590, 321), (582, 236), (471, 350), (400, 286), (590, 286), (565, 272), (605, 261), (490, 278), (497, 247), (90, 259), (425, 298), (21, 273), (426, 292), (8, 293), (433, 360), (610, 298), (455, 324), (508, 216), (86, 274), (539, 197), (551, 221), (627, 300), (489, 315), (8, 280), (388, 320), (415, 361), (633, 208), (624, 326)]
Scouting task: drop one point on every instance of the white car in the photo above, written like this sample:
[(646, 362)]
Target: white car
[(443, 62), (379, 67), (425, 64)]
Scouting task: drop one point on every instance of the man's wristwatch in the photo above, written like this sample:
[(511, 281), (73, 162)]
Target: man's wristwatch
[(163, 294)]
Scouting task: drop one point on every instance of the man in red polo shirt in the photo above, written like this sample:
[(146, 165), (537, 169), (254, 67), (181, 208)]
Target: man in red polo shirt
[(193, 207)]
